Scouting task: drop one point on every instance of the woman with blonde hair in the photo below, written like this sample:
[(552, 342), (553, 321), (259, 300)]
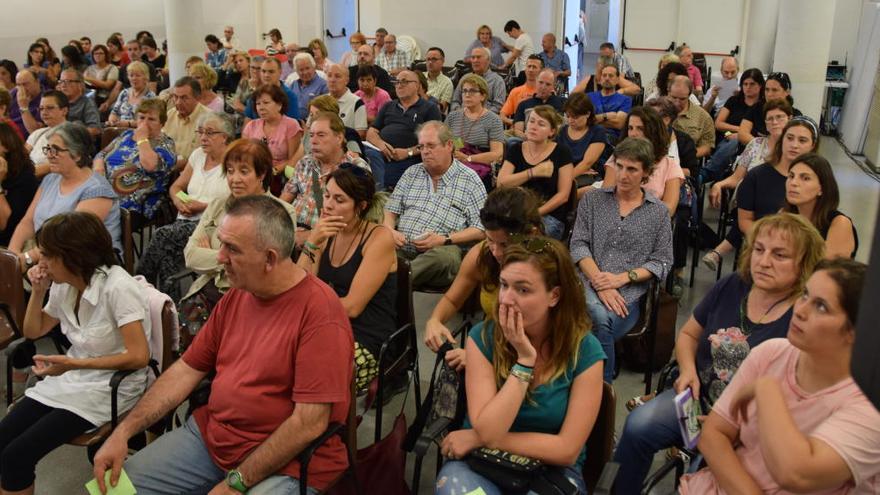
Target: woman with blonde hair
[(207, 78), (123, 112), (494, 44), (319, 50)]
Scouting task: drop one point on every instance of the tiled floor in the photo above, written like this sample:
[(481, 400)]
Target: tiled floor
[(66, 470)]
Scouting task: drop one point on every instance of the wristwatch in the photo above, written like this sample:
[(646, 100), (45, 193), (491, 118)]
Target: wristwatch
[(448, 240), (633, 276), (409, 152), (236, 481)]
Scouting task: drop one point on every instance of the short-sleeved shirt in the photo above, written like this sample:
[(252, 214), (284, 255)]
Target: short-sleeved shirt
[(277, 142), (352, 111), (496, 48), (453, 206), (545, 413), (269, 355), (53, 202), (20, 192), (840, 415), (138, 189), (544, 187), (374, 104), (558, 62), (737, 108), (695, 76), (305, 92), (762, 191), (515, 97), (697, 123), (615, 102), (112, 300), (292, 105), (15, 111), (108, 73), (84, 111), (440, 87), (526, 47), (183, 129), (727, 338), (528, 104), (665, 170), (756, 153), (578, 147), (400, 59), (480, 133), (123, 107), (307, 187), (397, 125), (204, 186)]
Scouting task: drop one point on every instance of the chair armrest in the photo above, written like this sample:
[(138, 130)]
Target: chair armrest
[(305, 456), (606, 480), (115, 381), (429, 435), (656, 477)]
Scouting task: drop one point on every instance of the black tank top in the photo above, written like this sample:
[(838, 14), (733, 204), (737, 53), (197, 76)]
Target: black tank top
[(831, 216), (377, 321)]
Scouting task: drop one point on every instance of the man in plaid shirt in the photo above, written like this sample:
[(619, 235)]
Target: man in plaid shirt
[(392, 59)]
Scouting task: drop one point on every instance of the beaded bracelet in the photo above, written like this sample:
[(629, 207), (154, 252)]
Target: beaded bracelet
[(524, 369), (523, 376)]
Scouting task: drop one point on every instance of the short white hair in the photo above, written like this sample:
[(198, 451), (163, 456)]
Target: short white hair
[(486, 51), (304, 56)]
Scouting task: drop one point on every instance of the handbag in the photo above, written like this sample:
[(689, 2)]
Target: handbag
[(482, 169), (380, 466), (511, 472)]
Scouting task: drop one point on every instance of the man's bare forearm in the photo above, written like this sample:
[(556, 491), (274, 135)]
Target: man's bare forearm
[(172, 387)]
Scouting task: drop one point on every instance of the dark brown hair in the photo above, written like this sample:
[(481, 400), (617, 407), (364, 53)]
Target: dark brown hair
[(795, 122), (513, 210), (17, 158), (655, 131), (250, 151), (829, 200), (580, 104), (849, 275), (274, 92), (80, 240), (357, 184)]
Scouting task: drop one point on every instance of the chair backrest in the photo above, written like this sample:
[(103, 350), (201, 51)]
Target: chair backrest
[(409, 44), (601, 440), (169, 322), (127, 241), (109, 134), (12, 295), (571, 207), (405, 312)]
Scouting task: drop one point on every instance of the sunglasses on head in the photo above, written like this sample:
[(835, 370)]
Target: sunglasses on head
[(782, 77), (356, 170), (534, 245)]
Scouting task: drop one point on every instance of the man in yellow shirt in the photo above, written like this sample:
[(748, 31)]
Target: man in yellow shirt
[(182, 119)]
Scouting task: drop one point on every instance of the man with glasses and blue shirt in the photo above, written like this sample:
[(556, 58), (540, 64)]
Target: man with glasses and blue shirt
[(80, 108), (435, 209), (393, 132)]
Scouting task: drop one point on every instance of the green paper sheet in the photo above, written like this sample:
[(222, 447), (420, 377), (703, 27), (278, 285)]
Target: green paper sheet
[(124, 487)]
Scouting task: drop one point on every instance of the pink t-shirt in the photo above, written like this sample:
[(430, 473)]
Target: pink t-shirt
[(695, 76), (277, 142), (664, 170), (380, 97), (840, 415)]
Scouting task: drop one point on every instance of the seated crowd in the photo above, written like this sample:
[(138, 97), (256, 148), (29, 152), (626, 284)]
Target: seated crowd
[(293, 189)]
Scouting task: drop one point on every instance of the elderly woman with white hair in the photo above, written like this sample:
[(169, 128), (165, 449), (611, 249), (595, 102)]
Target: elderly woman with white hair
[(309, 84), (201, 182)]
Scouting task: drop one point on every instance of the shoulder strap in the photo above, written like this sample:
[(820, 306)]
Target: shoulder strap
[(415, 430)]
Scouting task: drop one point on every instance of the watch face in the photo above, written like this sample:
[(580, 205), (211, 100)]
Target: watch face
[(233, 478)]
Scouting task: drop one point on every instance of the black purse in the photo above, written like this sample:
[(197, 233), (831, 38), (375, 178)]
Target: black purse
[(511, 472)]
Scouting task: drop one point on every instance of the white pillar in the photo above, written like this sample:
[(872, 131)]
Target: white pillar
[(185, 29), (803, 42), (761, 34)]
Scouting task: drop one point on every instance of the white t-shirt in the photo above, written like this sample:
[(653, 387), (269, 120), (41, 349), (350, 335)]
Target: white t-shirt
[(352, 111), (111, 300), (37, 140), (526, 47), (204, 186)]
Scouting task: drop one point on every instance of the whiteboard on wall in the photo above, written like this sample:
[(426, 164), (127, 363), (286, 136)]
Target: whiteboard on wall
[(650, 23)]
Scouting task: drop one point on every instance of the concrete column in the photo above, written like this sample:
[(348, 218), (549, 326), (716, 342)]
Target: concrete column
[(803, 42), (185, 29), (760, 34)]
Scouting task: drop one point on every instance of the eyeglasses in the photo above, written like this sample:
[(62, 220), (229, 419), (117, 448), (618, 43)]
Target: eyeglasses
[(470, 91), (777, 118), (402, 82), (48, 108), (65, 82), (51, 150), (208, 132)]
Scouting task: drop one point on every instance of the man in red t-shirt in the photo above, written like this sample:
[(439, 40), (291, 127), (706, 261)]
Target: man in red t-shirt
[(282, 348)]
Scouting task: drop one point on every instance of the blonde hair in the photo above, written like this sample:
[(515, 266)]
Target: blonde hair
[(209, 77), (138, 66)]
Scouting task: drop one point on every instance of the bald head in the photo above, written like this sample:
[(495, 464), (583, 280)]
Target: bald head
[(729, 67), (365, 55), (26, 81), (337, 80)]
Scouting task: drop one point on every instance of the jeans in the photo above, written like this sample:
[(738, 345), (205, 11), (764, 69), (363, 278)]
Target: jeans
[(608, 327), (456, 477), (178, 462), (377, 165), (720, 161), (649, 429), (553, 227)]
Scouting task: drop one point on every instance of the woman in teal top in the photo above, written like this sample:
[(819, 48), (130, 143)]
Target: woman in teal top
[(534, 376)]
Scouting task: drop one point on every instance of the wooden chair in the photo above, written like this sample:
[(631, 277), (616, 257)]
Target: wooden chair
[(127, 241), (646, 327), (109, 134), (12, 305), (600, 443)]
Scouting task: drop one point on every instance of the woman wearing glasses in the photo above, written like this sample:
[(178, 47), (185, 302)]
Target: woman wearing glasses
[(479, 133), (350, 58), (70, 185), (534, 377), (102, 75), (776, 87), (200, 183), (54, 106), (622, 240), (355, 255), (138, 162)]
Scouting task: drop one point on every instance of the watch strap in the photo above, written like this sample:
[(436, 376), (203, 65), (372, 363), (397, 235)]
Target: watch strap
[(235, 480)]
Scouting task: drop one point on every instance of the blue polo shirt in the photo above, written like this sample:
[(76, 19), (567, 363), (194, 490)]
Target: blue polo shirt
[(614, 102), (559, 61), (305, 93), (292, 105)]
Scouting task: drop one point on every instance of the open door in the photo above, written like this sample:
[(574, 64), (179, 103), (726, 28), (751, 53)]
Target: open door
[(340, 16)]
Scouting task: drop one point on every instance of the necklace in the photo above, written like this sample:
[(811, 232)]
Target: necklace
[(744, 324), (537, 153), (351, 244)]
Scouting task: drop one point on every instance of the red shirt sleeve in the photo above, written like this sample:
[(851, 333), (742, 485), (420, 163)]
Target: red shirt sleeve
[(324, 361)]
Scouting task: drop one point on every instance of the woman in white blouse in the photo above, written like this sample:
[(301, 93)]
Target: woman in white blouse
[(104, 314)]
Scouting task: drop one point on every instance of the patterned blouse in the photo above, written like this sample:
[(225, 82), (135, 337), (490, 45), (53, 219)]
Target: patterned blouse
[(138, 190), (756, 153), (307, 187), (124, 109), (642, 239)]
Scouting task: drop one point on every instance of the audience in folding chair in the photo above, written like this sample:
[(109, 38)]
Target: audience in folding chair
[(71, 185), (622, 239), (741, 311), (776, 87), (587, 141), (510, 216), (104, 314), (54, 106), (17, 180), (793, 419)]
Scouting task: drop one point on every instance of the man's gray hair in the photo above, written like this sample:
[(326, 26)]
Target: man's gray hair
[(218, 119), (304, 56), (444, 133), (484, 50), (685, 80), (272, 223), (191, 82)]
